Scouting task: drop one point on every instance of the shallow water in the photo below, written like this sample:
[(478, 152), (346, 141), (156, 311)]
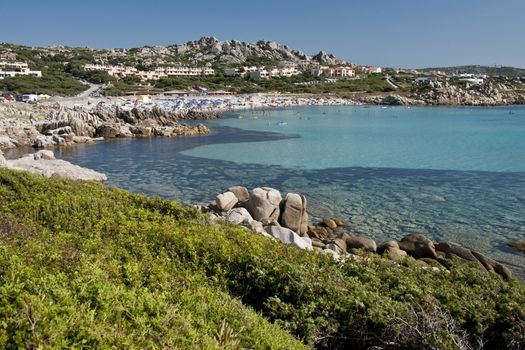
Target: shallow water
[(454, 174)]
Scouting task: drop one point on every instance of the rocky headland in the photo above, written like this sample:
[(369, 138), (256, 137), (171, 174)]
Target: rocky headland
[(445, 94), (45, 125)]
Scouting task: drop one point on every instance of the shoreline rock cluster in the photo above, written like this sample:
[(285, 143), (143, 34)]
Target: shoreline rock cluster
[(489, 94), (46, 126), (264, 211), (44, 163)]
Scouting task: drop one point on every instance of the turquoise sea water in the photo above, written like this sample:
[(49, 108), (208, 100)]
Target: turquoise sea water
[(485, 139), (454, 174)]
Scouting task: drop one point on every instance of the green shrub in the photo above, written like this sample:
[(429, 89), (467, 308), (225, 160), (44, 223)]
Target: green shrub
[(88, 265)]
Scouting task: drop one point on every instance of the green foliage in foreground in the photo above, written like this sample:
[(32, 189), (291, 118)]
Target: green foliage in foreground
[(86, 265)]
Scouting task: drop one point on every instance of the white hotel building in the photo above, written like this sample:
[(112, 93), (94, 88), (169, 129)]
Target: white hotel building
[(158, 73), (11, 69)]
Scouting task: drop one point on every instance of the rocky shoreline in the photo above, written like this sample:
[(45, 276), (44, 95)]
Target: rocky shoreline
[(55, 124), (489, 94), (264, 211), (43, 126)]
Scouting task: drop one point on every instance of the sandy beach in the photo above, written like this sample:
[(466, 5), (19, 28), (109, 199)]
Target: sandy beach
[(203, 103)]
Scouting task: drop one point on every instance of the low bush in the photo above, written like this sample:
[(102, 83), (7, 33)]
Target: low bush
[(89, 265)]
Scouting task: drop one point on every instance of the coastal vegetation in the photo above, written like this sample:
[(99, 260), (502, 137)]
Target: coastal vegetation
[(86, 265)]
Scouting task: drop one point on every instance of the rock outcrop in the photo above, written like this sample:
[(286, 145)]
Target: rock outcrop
[(327, 59), (418, 246), (226, 201), (294, 215), (264, 204), (519, 245), (7, 142), (44, 163), (55, 125), (210, 49), (265, 212), (287, 236), (488, 94)]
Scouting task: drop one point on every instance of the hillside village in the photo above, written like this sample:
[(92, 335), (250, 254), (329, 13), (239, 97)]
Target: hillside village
[(209, 65)]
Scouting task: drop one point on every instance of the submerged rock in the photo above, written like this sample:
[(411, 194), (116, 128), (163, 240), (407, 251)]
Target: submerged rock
[(520, 245)]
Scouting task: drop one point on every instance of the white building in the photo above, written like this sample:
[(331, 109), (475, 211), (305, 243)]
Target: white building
[(158, 73), (260, 74), (240, 72), (11, 69), (427, 79), (475, 79), (307, 64), (268, 73), (288, 71), (286, 64), (336, 72)]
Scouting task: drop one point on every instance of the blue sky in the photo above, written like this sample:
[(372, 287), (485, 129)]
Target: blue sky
[(391, 33)]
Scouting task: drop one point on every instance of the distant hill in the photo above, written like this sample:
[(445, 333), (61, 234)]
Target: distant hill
[(197, 52), (489, 70), (61, 66), (210, 49)]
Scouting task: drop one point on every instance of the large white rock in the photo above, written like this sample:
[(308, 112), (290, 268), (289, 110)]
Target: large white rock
[(240, 192), (257, 227), (44, 154), (294, 215), (287, 236), (65, 130), (264, 204), (7, 142), (44, 141), (56, 168), (238, 216), (225, 201)]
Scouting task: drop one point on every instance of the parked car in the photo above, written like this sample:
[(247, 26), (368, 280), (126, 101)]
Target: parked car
[(8, 97), (28, 98)]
